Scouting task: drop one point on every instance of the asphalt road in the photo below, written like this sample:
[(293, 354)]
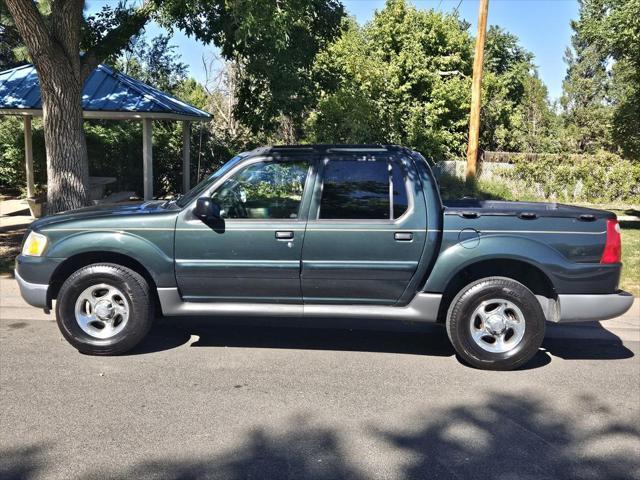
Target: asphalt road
[(202, 399)]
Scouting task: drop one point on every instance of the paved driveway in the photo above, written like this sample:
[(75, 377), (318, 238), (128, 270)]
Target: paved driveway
[(206, 400)]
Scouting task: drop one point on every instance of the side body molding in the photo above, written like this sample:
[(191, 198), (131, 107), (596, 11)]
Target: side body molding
[(423, 308)]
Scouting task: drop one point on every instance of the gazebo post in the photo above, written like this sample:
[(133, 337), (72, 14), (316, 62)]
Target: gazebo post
[(147, 158), (28, 156), (186, 155)]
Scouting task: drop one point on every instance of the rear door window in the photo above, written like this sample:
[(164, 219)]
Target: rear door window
[(372, 189)]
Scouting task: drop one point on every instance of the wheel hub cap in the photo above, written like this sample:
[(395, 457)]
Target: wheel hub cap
[(102, 311), (497, 325)]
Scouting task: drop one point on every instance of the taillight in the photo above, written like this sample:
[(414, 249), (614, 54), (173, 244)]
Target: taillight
[(613, 248)]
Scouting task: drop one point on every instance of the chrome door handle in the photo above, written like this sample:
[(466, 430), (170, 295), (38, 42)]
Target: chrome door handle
[(403, 236), (287, 235)]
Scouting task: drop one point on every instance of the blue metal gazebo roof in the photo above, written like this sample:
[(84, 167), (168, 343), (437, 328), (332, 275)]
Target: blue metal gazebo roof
[(106, 94)]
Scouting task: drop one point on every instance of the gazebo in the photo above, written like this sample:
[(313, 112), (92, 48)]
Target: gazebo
[(107, 95)]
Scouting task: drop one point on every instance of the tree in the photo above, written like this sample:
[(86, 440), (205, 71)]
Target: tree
[(516, 114), (275, 39), (156, 62), (275, 45), (405, 78), (54, 45), (402, 78), (10, 43), (231, 135), (585, 88), (613, 27)]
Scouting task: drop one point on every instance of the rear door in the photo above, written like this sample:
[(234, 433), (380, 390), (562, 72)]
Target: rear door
[(366, 230)]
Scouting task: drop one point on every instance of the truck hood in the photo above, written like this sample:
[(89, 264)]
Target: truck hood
[(155, 207)]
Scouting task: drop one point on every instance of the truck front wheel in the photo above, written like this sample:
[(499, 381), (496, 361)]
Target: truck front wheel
[(104, 309), (495, 323)]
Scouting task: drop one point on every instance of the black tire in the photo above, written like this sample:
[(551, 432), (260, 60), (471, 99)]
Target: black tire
[(135, 291), (460, 318)]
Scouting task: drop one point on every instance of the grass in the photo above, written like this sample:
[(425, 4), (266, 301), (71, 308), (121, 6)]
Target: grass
[(630, 280), (452, 188)]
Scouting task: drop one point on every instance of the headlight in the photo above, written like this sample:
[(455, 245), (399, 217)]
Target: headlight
[(34, 245)]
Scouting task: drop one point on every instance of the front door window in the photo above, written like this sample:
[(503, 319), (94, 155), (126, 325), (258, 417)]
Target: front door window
[(263, 190)]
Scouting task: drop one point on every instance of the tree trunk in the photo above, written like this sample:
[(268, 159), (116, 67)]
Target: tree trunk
[(55, 50), (66, 147)]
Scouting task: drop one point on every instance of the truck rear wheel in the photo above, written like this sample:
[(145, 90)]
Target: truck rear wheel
[(495, 324), (104, 309)]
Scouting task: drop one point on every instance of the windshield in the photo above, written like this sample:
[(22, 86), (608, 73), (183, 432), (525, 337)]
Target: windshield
[(204, 184)]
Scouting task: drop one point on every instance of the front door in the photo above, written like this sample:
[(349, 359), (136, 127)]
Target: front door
[(253, 254), (366, 230)]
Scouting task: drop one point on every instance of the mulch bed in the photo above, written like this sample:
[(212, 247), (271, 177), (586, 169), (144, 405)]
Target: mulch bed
[(9, 249)]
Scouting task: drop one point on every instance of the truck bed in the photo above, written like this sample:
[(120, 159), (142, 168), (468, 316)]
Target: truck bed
[(526, 210)]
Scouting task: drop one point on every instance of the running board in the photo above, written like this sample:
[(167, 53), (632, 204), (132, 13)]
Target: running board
[(423, 308)]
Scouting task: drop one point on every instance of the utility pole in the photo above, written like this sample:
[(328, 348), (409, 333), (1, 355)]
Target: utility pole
[(476, 89)]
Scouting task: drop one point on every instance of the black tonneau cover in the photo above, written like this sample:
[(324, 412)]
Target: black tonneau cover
[(471, 207)]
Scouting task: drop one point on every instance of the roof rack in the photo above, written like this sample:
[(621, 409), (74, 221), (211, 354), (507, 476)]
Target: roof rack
[(329, 148)]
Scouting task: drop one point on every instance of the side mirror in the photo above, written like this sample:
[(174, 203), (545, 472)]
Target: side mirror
[(207, 209)]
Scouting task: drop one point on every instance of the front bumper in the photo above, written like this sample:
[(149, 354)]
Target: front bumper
[(34, 294), (586, 308)]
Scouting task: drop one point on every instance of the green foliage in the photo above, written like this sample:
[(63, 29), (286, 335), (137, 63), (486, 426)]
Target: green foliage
[(115, 150), (516, 115), (12, 166), (602, 88), (11, 54), (275, 43), (405, 78), (604, 177), (601, 178), (455, 188), (156, 63), (502, 51), (618, 33), (277, 181)]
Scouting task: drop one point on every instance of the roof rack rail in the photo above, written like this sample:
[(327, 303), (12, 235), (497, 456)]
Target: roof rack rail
[(327, 148)]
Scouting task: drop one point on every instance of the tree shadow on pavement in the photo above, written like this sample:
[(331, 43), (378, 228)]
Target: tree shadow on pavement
[(515, 437), (494, 436), (23, 463)]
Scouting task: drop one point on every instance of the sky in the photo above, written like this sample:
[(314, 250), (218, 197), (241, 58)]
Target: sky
[(541, 25)]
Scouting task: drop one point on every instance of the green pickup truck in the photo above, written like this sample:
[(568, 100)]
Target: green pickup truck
[(321, 231)]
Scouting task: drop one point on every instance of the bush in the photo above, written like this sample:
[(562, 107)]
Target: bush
[(599, 178), (603, 177), (12, 166), (454, 188), (115, 150)]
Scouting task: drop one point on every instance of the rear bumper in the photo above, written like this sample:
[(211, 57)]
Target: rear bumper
[(34, 294), (586, 308)]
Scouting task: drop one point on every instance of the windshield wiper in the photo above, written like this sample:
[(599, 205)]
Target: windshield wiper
[(173, 200)]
